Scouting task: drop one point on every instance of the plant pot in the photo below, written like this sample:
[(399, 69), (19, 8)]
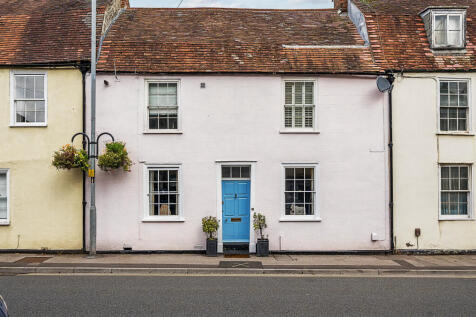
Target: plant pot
[(262, 247), (212, 245)]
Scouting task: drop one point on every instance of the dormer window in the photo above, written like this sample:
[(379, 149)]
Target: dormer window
[(445, 28), (448, 30)]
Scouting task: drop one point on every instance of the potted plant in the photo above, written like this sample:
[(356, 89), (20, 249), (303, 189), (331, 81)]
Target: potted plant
[(68, 157), (115, 156), (210, 227), (262, 245)]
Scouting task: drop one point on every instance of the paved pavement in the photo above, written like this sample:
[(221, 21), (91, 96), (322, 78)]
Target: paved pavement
[(110, 295), (16, 263)]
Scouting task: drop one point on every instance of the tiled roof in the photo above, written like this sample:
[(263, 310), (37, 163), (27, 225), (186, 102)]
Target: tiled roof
[(45, 31), (234, 40), (399, 41)]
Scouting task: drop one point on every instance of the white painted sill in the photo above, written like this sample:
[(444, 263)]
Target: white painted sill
[(32, 125), (299, 131), (299, 219), (163, 132), (164, 219), (455, 218), (456, 133), (4, 222)]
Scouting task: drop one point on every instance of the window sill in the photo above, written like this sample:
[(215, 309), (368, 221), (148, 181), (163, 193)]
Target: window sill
[(455, 218), (163, 132), (300, 219), (4, 223), (456, 133), (164, 219), (299, 131), (35, 125)]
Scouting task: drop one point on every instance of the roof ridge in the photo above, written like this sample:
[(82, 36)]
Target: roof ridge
[(230, 9)]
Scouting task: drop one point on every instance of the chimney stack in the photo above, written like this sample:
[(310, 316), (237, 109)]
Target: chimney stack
[(341, 4)]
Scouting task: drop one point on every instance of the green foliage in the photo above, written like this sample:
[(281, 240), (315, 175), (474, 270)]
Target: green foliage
[(68, 157), (259, 223), (115, 156), (210, 226)]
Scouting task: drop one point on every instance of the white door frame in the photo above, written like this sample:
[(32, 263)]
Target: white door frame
[(219, 165)]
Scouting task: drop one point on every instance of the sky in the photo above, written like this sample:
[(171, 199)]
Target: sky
[(265, 4)]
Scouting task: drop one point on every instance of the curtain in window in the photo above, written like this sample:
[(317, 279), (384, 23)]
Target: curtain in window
[(454, 30), (3, 196), (440, 30)]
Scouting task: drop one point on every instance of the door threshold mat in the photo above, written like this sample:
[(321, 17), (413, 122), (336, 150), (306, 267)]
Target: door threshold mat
[(33, 259), (237, 256), (240, 265)]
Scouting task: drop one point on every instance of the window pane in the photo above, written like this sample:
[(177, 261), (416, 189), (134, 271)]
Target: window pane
[(3, 185), (30, 116), (309, 117), (289, 173), (463, 171), (298, 93), (288, 208), (30, 87), (443, 87), (463, 87), (173, 187), (40, 116), (226, 172), (309, 209), (289, 198), (288, 93), (299, 185), (289, 185), (445, 184), (309, 97), (235, 172), (163, 176), (288, 117), (309, 173), (463, 100), (440, 30), (299, 173), (39, 87), (245, 172), (444, 100), (298, 117)]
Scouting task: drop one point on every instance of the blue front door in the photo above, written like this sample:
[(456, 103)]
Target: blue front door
[(236, 210)]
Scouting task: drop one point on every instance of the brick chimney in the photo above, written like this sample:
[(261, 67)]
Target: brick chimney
[(341, 4)]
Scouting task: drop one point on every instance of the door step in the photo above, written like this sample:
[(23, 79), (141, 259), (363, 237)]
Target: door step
[(236, 250)]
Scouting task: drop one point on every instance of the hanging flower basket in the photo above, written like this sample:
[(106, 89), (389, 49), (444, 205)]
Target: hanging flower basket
[(114, 157), (68, 157)]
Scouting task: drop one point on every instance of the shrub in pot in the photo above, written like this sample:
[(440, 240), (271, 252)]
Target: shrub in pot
[(68, 157), (210, 227), (262, 245), (114, 157)]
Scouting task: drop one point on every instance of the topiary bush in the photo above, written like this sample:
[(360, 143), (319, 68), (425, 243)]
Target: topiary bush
[(114, 157), (210, 226), (68, 157)]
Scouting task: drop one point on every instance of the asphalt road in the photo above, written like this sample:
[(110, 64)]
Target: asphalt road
[(236, 296)]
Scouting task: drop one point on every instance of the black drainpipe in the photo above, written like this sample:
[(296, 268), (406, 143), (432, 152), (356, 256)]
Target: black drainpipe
[(391, 78), (84, 69)]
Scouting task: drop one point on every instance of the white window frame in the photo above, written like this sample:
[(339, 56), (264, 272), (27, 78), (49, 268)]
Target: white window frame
[(300, 218), (13, 122), (461, 14), (146, 216), (6, 222), (470, 214), (304, 130), (469, 124), (147, 130)]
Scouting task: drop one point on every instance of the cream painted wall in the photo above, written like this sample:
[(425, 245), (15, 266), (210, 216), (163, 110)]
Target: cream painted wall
[(45, 204), (418, 149)]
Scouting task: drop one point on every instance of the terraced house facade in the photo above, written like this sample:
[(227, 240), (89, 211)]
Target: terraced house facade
[(228, 112)]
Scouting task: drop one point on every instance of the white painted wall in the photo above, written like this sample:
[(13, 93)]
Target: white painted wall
[(238, 118), (418, 151)]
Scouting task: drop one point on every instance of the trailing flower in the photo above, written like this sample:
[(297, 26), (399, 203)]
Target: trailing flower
[(68, 157), (115, 156)]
